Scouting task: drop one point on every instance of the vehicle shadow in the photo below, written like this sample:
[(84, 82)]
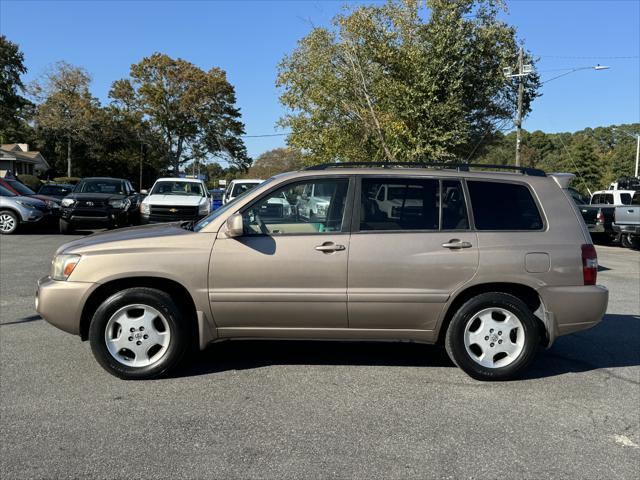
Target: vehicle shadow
[(613, 343)]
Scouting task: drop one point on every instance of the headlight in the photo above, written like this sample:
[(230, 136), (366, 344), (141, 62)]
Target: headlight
[(26, 205), (123, 204), (63, 266), (204, 209), (144, 208), (67, 202)]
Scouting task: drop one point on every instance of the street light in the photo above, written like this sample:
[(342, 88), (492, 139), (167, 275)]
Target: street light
[(523, 71), (573, 70)]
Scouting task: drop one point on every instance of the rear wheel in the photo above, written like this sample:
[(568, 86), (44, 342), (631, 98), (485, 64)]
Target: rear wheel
[(138, 333), (493, 336), (8, 222), (626, 241)]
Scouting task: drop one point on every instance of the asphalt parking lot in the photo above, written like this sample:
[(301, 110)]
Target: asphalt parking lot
[(316, 410)]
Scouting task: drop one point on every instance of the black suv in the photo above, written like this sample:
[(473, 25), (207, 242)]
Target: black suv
[(100, 202)]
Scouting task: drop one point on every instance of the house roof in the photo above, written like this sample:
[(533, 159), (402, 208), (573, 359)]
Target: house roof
[(14, 150)]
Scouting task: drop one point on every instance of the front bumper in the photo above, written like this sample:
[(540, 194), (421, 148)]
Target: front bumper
[(61, 302), (572, 309)]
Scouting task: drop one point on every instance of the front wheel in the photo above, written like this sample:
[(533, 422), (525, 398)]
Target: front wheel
[(627, 241), (493, 336), (138, 333), (8, 222)]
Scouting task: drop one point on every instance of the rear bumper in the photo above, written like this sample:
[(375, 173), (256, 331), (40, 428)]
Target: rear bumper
[(572, 309), (60, 303), (630, 229)]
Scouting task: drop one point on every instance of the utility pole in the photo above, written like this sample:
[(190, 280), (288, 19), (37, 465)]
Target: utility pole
[(637, 153), (523, 71), (519, 118)]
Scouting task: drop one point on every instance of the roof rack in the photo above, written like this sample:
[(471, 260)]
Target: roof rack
[(460, 167)]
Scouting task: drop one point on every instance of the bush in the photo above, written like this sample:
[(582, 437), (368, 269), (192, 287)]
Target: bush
[(71, 180), (30, 181)]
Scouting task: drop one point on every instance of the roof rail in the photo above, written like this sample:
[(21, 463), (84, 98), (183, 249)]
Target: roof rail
[(460, 167)]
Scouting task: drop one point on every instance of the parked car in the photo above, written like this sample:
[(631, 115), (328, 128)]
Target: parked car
[(599, 214), (16, 210), (239, 187), (493, 264), (173, 199), (627, 222), (56, 190), (100, 202), (216, 198), (20, 188)]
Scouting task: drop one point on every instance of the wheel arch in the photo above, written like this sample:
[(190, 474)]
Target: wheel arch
[(176, 290), (524, 292)]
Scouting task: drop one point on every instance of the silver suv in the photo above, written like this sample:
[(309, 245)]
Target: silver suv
[(16, 210), (492, 264)]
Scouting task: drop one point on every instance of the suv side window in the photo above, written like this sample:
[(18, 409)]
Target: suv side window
[(625, 198), (410, 204), (454, 208), (503, 206), (293, 210), (608, 198)]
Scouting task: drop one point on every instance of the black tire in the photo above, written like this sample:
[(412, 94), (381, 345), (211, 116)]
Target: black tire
[(162, 302), (10, 221), (66, 228), (455, 345), (626, 241)]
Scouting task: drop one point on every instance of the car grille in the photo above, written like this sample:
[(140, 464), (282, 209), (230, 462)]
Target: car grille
[(171, 213)]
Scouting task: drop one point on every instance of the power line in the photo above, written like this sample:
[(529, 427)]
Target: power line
[(591, 57), (266, 135)]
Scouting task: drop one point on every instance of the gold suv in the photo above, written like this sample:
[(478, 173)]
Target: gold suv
[(492, 264)]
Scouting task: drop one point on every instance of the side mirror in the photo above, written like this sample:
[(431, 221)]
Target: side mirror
[(235, 225), (144, 192)]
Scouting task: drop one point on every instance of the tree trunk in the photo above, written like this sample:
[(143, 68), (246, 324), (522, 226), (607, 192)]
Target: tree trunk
[(68, 155)]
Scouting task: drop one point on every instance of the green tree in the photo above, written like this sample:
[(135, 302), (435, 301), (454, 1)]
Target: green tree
[(14, 108), (191, 110), (385, 85), (276, 161), (67, 109)]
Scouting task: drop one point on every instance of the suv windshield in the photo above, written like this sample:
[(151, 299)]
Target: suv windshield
[(101, 186), (177, 188), (225, 208), (55, 190), (21, 188)]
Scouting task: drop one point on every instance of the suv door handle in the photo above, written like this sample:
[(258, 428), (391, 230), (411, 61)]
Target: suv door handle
[(329, 247), (454, 244)]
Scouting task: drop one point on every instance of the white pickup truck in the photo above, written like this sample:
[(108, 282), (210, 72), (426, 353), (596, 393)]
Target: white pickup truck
[(626, 222), (174, 199)]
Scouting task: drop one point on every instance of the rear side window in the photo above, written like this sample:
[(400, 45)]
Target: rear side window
[(400, 204), (608, 198), (625, 198), (503, 206)]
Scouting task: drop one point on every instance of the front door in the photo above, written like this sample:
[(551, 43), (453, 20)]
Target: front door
[(289, 269), (409, 251)]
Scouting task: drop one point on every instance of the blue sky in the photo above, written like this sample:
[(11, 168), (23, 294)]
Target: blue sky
[(249, 38)]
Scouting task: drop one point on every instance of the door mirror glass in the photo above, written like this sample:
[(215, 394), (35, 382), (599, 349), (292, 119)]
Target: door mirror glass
[(234, 225)]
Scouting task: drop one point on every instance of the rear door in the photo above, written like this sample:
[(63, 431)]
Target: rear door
[(411, 247)]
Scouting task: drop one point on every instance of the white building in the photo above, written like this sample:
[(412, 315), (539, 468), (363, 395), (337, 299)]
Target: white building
[(17, 158)]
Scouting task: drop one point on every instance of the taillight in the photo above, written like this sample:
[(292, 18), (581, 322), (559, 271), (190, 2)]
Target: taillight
[(589, 264), (600, 218)]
